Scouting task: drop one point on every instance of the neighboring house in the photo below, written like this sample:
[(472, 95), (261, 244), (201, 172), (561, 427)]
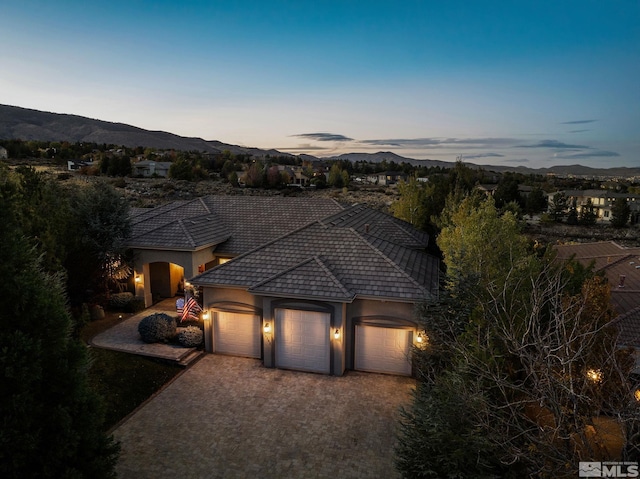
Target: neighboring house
[(312, 286), (148, 168), (602, 201), (75, 165), (621, 266), (3, 153), (388, 178)]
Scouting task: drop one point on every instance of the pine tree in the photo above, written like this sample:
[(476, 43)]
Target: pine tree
[(51, 423)]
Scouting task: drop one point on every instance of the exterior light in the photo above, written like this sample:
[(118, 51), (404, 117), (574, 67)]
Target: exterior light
[(267, 328), (336, 334), (138, 279), (419, 339), (205, 315), (119, 316), (594, 375), (636, 394)]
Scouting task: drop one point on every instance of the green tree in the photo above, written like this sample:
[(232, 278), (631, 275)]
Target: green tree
[(410, 206), (100, 220), (620, 213), (51, 422), (336, 179), (588, 214), (558, 206), (536, 202), (181, 169), (521, 364)]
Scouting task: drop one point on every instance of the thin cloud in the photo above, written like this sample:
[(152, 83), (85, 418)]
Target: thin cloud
[(578, 131), (554, 144), (323, 137), (442, 142), (517, 160), (483, 155), (577, 122), (306, 148), (591, 154)]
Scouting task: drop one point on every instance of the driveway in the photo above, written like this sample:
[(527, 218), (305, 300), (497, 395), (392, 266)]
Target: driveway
[(229, 417)]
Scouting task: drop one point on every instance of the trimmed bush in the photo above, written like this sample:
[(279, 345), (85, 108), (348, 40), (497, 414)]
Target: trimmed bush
[(157, 327), (120, 300), (190, 337), (135, 305)]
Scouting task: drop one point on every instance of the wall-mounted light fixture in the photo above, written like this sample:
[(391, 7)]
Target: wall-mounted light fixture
[(205, 315), (336, 334), (267, 328), (419, 338), (138, 278)]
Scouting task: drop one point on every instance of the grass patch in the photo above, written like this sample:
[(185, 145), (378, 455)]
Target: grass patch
[(126, 380)]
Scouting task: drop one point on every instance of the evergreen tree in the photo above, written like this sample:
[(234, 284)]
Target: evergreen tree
[(51, 422), (620, 213), (588, 214)]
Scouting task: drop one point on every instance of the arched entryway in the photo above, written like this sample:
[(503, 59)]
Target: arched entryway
[(165, 280)]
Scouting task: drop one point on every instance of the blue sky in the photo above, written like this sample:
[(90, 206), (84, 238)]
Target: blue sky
[(535, 83)]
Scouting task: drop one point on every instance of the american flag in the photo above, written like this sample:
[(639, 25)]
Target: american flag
[(191, 309)]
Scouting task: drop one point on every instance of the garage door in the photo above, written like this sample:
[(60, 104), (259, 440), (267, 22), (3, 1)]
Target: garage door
[(237, 334), (302, 340), (383, 350)]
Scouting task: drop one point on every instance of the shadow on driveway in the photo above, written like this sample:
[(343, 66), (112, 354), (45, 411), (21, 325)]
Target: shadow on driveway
[(228, 417)]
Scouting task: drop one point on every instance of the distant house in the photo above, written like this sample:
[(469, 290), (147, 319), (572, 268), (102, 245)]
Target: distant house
[(3, 153), (602, 201), (621, 267), (148, 168), (300, 283), (75, 165)]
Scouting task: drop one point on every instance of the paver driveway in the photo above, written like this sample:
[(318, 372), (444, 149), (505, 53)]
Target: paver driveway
[(229, 417)]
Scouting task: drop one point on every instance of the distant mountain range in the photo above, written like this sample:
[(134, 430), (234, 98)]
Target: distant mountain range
[(28, 124)]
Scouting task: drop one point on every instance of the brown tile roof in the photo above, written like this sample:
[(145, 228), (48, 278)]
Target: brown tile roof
[(621, 267), (235, 223), (331, 259)]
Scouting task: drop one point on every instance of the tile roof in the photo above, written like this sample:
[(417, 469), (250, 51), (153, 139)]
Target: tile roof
[(621, 266), (235, 223), (331, 259)]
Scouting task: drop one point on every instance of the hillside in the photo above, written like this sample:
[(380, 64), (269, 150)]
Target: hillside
[(28, 124)]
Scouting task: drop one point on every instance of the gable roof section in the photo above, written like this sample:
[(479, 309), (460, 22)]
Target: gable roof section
[(629, 328), (321, 253), (311, 278), (620, 265), (235, 224)]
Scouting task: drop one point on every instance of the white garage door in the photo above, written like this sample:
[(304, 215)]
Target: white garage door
[(302, 340), (237, 334), (383, 350)]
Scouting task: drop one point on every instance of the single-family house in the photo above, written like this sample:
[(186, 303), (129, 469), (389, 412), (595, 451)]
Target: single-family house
[(149, 168), (301, 283), (621, 266), (4, 154), (75, 165), (602, 201)]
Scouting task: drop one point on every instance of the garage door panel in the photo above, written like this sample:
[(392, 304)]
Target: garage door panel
[(302, 340), (383, 350), (237, 334)]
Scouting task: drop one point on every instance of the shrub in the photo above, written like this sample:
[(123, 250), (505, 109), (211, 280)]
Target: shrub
[(135, 305), (190, 337), (120, 300), (157, 327)]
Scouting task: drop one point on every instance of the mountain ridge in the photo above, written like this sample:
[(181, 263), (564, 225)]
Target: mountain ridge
[(30, 124)]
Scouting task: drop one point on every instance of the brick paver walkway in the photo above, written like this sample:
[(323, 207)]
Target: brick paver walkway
[(229, 417)]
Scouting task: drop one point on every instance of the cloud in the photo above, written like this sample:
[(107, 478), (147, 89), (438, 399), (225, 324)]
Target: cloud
[(577, 122), (324, 137), (305, 147), (442, 142), (483, 155), (553, 144), (578, 131), (517, 160), (591, 154)]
